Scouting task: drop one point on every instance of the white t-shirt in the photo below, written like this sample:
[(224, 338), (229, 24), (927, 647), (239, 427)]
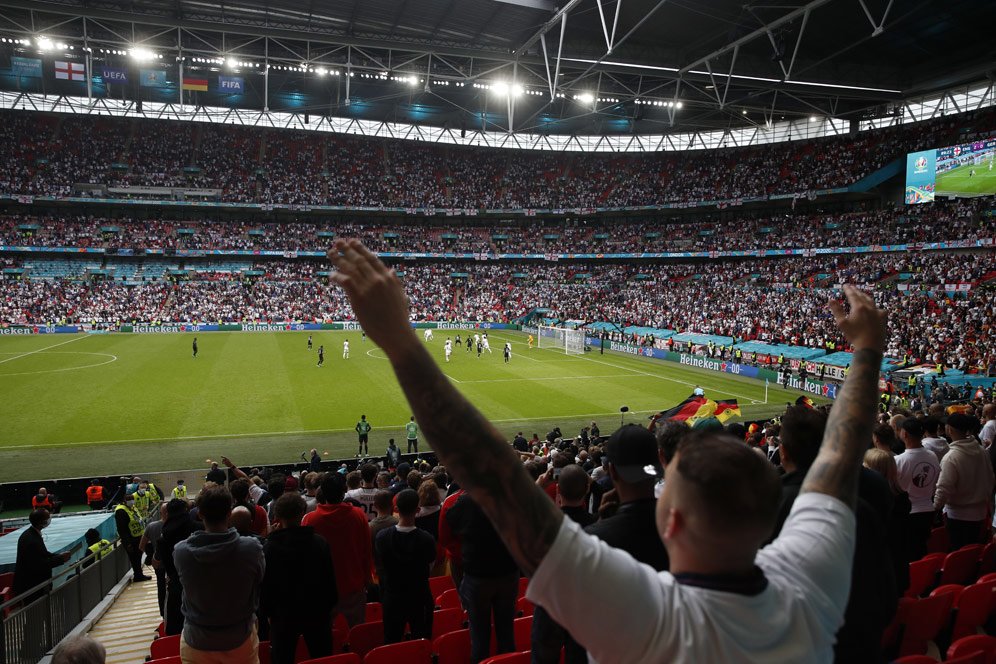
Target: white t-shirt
[(365, 497), (988, 434), (648, 616), (918, 472)]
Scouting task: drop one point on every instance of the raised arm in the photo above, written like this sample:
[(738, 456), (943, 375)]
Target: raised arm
[(467, 443), (849, 427)]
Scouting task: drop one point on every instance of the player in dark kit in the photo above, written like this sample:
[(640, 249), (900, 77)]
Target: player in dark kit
[(469, 343), (321, 355), (363, 430), (508, 352), (195, 346), (309, 342), (458, 340), (480, 347)]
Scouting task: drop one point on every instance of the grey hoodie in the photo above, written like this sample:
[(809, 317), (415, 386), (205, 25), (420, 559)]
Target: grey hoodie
[(221, 575)]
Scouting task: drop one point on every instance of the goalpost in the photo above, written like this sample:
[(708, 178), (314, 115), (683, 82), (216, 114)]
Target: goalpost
[(571, 341)]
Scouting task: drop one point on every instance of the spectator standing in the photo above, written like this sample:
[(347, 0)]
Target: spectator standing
[(406, 553), (130, 531), (988, 433), (897, 529), (221, 573), (34, 563), (490, 579), (216, 474), (364, 495), (347, 532), (393, 454), (965, 485), (299, 591), (178, 526), (147, 545), (802, 431), (917, 470), (931, 440)]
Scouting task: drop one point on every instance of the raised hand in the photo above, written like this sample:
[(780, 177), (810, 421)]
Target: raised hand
[(375, 293), (864, 326)]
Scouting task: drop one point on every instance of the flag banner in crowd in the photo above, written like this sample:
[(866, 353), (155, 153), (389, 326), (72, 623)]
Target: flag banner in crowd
[(114, 75), (153, 78), (27, 67), (804, 401), (196, 84), (70, 71), (697, 407), (230, 84)]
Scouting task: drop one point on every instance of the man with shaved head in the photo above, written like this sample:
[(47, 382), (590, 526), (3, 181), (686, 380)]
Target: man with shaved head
[(724, 598)]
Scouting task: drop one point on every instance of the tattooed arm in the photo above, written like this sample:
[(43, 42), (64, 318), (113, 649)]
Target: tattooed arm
[(852, 417), (467, 443)]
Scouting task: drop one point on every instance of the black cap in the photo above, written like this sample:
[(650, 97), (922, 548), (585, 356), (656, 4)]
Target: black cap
[(963, 422), (632, 451)]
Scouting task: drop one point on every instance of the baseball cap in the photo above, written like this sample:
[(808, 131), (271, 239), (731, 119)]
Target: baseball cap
[(632, 451)]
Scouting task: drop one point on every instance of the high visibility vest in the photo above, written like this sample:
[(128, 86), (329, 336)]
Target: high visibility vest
[(134, 524), (154, 494), (41, 504), (143, 503), (94, 494), (101, 548), (180, 491), (911, 381)]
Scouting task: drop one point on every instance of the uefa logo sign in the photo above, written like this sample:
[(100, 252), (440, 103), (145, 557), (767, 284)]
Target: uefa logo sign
[(920, 163)]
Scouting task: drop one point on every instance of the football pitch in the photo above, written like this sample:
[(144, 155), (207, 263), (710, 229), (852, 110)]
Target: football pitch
[(85, 405), (960, 181)]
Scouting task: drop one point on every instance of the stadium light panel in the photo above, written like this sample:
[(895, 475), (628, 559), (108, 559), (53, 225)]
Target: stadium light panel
[(44, 43), (585, 97), (231, 63), (500, 88), (141, 54)]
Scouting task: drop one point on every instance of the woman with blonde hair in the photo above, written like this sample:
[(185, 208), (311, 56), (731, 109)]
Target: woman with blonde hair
[(897, 530)]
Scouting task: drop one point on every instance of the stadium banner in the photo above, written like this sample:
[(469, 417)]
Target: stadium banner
[(26, 67), (19, 330), (348, 326), (114, 75), (231, 84), (152, 78), (823, 389)]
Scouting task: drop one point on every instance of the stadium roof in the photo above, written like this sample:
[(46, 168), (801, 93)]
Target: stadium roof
[(582, 67)]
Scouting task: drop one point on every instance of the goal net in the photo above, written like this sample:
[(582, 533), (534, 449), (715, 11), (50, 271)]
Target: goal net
[(570, 341)]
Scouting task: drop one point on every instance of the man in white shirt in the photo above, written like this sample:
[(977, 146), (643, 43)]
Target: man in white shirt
[(932, 441), (724, 600), (365, 494), (988, 434), (918, 472), (965, 486)]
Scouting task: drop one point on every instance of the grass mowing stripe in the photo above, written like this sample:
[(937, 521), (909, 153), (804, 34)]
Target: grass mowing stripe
[(39, 350)]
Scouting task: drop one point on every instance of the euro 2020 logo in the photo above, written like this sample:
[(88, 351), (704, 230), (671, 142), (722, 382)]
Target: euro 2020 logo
[(920, 163)]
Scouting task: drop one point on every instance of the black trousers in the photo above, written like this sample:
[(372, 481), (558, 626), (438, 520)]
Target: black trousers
[(284, 633), (174, 612), (400, 610), (918, 533), (134, 557), (963, 533)]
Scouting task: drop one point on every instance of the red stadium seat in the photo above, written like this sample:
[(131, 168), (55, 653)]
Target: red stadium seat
[(986, 578), (922, 620), (916, 659), (409, 652), (168, 646), (454, 648), (375, 611), (923, 574), (440, 584), (974, 644), (938, 540), (961, 566), (340, 622), (524, 606), (987, 559), (160, 629), (344, 658), (523, 584), (523, 633), (364, 638), (972, 609), (340, 637), (445, 621), (510, 658), (264, 652), (949, 588), (449, 600), (166, 660)]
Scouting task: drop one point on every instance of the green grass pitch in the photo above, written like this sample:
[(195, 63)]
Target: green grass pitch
[(122, 403), (959, 181)]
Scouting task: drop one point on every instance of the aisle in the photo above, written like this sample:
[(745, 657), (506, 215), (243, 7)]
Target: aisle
[(126, 630)]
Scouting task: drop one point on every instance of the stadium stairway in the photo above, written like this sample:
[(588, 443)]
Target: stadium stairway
[(128, 627)]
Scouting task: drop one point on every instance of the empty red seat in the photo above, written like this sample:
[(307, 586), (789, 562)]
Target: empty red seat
[(987, 559), (523, 584), (166, 660), (452, 648), (445, 621), (344, 658), (922, 620), (375, 611), (973, 608), (440, 584), (524, 606), (961, 566), (168, 646), (923, 574), (409, 652), (523, 631), (949, 588), (510, 658), (365, 637), (916, 659), (340, 637), (979, 643), (449, 600)]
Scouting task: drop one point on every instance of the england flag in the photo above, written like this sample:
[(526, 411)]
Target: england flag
[(70, 71)]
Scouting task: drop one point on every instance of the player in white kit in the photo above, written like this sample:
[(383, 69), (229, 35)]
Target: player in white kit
[(484, 340), (345, 349), (448, 347), (427, 335)]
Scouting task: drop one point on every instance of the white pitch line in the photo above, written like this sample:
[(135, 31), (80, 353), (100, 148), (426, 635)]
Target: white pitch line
[(114, 358), (301, 431), (61, 343), (533, 380)]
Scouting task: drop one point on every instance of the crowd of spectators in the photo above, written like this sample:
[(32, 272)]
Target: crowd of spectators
[(48, 155), (942, 222)]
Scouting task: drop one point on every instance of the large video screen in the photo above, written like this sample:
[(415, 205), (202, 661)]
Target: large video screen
[(958, 171)]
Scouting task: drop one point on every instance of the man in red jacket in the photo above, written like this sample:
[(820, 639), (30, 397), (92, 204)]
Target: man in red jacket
[(345, 528)]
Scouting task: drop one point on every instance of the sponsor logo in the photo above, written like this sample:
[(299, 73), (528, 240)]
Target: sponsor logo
[(164, 329), (351, 327), (264, 327), (16, 330)]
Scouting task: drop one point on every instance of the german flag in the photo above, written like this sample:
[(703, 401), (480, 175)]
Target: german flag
[(804, 401), (198, 84), (696, 408)]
